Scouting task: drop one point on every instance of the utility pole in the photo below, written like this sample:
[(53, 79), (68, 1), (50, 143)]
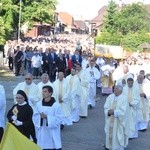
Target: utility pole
[(19, 24)]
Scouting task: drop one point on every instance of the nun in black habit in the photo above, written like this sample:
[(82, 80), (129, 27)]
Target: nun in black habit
[(20, 115)]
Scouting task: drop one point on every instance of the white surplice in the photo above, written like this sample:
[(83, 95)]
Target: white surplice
[(85, 63), (84, 93), (118, 74), (116, 127), (73, 85), (123, 77), (48, 134), (30, 90), (143, 110), (92, 83), (60, 90), (40, 86), (147, 92), (133, 98)]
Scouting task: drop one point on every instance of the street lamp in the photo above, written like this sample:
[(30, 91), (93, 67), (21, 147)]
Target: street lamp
[(19, 24)]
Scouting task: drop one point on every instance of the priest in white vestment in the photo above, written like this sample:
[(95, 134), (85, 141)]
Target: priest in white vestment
[(131, 91), (121, 74), (83, 91), (45, 81), (117, 74), (85, 62), (30, 88), (73, 84), (60, 95), (116, 119), (2, 110), (146, 66), (93, 75), (146, 89), (47, 120), (100, 62), (143, 110)]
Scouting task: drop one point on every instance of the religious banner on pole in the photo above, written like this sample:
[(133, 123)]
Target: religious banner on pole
[(14, 140)]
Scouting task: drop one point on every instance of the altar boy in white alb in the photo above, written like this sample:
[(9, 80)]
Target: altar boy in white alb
[(93, 75), (47, 119)]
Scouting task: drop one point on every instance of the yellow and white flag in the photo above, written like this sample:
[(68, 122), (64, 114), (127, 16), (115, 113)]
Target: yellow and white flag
[(14, 140)]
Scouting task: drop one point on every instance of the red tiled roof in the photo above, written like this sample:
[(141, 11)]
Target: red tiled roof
[(65, 18), (103, 11), (80, 24)]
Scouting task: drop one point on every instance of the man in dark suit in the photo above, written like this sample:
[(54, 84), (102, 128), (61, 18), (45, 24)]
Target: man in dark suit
[(66, 54), (52, 58), (45, 59), (18, 55), (76, 58), (61, 63)]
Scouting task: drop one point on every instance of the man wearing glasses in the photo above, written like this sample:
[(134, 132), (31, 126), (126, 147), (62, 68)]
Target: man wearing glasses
[(30, 88)]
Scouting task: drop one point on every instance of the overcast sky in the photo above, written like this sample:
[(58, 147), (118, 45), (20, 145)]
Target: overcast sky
[(87, 9)]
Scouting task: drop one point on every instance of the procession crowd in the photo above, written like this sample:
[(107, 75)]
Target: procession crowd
[(70, 76)]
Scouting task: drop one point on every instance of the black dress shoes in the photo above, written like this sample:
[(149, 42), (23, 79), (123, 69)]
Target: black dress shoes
[(143, 130), (90, 106), (62, 127), (83, 117)]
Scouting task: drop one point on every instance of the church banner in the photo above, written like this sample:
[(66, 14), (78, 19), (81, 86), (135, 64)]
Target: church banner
[(14, 140), (108, 51)]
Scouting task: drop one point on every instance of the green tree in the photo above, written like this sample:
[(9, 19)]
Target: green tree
[(2, 31), (133, 18), (31, 11), (7, 12), (131, 41), (38, 11), (129, 26), (109, 39), (110, 18)]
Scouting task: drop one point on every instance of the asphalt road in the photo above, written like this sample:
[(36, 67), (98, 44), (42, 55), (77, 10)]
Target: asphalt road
[(87, 134)]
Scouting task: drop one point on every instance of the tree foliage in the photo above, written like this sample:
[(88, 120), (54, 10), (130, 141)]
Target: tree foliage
[(127, 26), (7, 13), (131, 41), (2, 31), (38, 11), (41, 11), (110, 18), (132, 18), (109, 38)]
